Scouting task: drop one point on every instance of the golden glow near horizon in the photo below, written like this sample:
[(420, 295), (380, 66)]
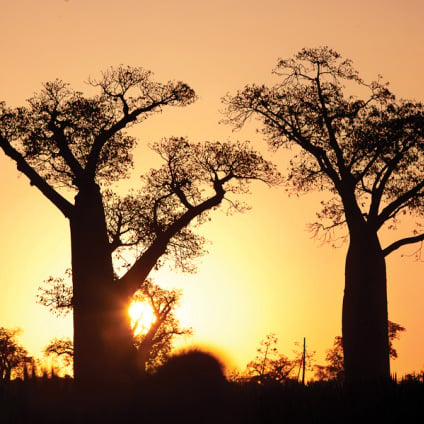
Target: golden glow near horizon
[(142, 317), (263, 272)]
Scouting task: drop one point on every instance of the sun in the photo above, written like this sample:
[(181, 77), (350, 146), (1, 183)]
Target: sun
[(142, 317)]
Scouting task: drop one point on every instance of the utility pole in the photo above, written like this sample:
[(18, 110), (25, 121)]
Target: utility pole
[(304, 361)]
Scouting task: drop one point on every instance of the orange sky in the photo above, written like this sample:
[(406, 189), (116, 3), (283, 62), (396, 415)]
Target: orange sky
[(263, 273)]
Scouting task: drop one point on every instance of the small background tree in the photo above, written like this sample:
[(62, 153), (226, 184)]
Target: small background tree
[(155, 345), (271, 366), (12, 355), (61, 352)]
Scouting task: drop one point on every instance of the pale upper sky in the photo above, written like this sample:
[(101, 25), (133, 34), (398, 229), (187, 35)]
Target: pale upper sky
[(263, 272)]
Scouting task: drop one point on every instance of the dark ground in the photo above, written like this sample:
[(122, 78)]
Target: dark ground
[(158, 400)]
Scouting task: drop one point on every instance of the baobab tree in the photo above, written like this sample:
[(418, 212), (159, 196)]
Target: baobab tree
[(68, 144), (367, 156)]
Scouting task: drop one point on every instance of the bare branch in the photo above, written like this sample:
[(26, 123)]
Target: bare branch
[(60, 202), (402, 242)]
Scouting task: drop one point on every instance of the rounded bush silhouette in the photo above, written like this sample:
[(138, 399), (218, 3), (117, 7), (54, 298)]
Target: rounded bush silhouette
[(193, 384), (192, 367)]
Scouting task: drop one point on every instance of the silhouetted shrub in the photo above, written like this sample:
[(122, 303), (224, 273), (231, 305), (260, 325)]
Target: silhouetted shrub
[(192, 367), (193, 387)]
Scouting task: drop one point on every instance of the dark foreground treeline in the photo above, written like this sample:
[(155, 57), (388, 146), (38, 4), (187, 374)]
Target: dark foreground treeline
[(194, 390), (55, 401)]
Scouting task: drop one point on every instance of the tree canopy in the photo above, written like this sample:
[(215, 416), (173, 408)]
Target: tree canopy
[(194, 179), (371, 146), (68, 139)]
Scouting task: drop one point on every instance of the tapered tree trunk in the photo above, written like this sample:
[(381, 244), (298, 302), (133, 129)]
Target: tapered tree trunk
[(103, 350), (365, 321)]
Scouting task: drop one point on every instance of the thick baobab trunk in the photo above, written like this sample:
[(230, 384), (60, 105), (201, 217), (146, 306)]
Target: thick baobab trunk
[(103, 350), (365, 322)]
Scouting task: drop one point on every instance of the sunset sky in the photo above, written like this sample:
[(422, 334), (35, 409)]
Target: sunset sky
[(264, 273)]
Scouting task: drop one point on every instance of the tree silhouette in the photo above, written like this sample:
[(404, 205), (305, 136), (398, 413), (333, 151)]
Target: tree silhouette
[(394, 330), (269, 365), (68, 144), (367, 156), (12, 354), (154, 347), (334, 370), (61, 350)]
